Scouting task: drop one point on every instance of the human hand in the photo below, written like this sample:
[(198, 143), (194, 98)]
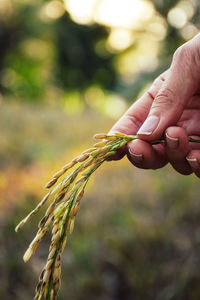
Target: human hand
[(171, 107)]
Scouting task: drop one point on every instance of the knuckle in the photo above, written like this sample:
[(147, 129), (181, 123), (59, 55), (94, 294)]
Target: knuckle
[(132, 119), (164, 98), (189, 55), (154, 89), (156, 81), (159, 80), (182, 52), (195, 65), (152, 92)]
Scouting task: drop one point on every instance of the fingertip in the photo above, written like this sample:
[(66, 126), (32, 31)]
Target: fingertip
[(136, 147), (119, 155), (136, 159), (135, 153), (177, 148), (172, 142), (193, 159), (143, 155), (148, 128), (177, 140), (176, 131)]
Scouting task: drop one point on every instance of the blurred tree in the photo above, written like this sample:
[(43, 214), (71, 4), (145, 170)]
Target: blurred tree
[(80, 56), (80, 62)]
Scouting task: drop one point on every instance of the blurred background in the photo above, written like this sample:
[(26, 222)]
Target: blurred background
[(69, 69)]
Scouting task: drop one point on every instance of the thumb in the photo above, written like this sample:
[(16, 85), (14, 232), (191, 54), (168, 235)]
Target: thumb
[(180, 84)]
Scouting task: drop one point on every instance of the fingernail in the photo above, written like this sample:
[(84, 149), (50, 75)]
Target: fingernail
[(193, 162), (149, 125), (138, 158), (172, 142)]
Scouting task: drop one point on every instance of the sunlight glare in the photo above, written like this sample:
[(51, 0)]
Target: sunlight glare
[(94, 96), (119, 39), (123, 13), (158, 28), (115, 106), (54, 9), (113, 13), (6, 9), (81, 11), (189, 31), (187, 7), (51, 11), (72, 103), (36, 48), (177, 17), (140, 59)]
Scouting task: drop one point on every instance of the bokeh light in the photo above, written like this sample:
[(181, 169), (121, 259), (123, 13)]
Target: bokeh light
[(120, 13), (81, 12), (119, 39), (52, 10), (189, 31), (177, 17), (124, 13)]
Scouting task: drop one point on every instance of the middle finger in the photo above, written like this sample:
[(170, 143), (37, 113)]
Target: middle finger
[(177, 148)]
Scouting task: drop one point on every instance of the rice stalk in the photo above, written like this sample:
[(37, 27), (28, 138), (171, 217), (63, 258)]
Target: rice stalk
[(65, 194)]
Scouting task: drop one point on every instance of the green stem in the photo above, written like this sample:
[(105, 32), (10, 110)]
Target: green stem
[(159, 141), (193, 140)]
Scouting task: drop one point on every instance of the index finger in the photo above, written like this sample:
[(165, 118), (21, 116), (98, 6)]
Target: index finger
[(131, 121), (133, 118)]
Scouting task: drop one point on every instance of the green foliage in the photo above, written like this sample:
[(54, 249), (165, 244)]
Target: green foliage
[(80, 64)]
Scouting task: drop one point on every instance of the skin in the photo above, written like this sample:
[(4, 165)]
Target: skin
[(174, 102)]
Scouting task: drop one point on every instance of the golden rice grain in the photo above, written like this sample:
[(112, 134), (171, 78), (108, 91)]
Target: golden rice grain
[(65, 203)]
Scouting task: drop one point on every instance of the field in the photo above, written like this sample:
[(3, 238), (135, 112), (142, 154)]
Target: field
[(137, 235)]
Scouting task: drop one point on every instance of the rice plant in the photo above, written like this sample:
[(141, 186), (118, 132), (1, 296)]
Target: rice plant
[(66, 190)]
